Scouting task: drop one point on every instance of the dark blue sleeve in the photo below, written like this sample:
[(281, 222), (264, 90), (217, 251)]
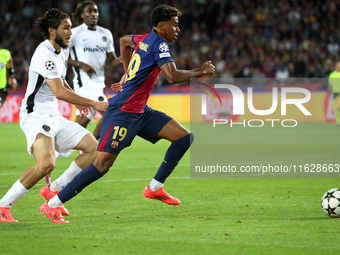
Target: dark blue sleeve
[(161, 52)]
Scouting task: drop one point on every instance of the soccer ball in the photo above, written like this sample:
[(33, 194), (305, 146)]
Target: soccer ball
[(330, 203)]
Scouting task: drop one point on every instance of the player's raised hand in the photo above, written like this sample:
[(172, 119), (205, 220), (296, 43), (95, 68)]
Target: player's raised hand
[(87, 69), (119, 85), (208, 68), (100, 106)]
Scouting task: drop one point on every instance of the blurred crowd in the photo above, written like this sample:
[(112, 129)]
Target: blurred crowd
[(243, 38)]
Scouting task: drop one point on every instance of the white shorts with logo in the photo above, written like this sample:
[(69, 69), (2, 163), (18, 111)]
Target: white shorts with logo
[(95, 94), (66, 134)]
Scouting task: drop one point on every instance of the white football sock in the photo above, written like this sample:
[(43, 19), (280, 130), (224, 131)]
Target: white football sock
[(16, 192), (66, 177), (54, 202), (155, 185)]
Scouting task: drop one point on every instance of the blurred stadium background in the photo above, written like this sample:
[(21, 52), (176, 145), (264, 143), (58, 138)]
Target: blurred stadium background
[(243, 38)]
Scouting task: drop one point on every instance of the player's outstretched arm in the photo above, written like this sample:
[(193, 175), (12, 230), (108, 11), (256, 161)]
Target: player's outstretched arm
[(63, 93), (175, 76)]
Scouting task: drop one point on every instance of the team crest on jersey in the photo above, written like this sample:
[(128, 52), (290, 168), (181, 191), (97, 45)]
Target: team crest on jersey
[(114, 144), (49, 65), (163, 47), (104, 38)]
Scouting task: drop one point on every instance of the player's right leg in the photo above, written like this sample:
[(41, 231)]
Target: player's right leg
[(43, 151)]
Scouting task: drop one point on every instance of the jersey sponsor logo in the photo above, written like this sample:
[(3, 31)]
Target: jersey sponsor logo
[(97, 49), (143, 46), (164, 55), (163, 47), (49, 65)]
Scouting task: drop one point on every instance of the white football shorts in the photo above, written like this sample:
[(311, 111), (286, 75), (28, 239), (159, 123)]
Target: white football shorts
[(66, 134), (94, 94)]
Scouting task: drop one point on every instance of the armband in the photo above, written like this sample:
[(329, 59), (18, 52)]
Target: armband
[(11, 72)]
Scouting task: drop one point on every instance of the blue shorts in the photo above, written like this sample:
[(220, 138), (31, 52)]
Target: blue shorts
[(119, 128)]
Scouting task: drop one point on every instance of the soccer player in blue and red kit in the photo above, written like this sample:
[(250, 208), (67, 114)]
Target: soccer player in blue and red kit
[(128, 115)]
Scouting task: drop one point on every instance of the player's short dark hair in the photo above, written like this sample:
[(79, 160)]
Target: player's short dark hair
[(51, 18), (76, 16), (163, 13)]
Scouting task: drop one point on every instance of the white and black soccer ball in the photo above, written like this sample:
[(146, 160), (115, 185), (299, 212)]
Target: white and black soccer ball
[(330, 203)]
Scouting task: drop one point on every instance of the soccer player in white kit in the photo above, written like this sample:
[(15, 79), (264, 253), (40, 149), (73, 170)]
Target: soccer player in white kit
[(45, 129), (90, 46)]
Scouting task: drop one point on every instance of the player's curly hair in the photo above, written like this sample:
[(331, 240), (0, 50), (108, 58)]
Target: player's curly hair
[(163, 13), (76, 16), (51, 18)]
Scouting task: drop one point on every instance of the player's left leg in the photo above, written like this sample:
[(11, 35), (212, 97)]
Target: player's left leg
[(181, 140)]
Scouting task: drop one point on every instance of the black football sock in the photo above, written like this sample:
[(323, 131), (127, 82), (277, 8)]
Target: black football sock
[(79, 182), (173, 155)]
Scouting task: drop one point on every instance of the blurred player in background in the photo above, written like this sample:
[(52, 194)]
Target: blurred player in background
[(90, 46), (334, 86), (45, 129), (6, 62), (128, 115)]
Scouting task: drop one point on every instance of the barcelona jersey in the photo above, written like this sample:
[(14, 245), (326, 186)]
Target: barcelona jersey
[(150, 53)]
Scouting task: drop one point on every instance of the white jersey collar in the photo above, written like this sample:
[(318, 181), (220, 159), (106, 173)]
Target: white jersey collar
[(51, 48)]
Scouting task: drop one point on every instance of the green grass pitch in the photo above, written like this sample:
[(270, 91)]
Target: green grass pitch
[(217, 215)]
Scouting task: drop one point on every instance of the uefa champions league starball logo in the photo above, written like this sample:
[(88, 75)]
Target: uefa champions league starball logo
[(49, 65), (163, 47)]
